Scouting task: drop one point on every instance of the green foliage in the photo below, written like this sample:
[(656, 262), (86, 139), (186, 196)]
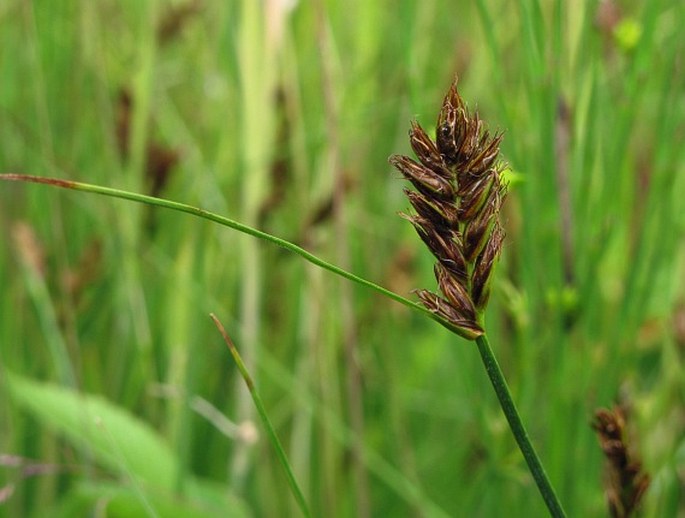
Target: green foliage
[(129, 448), (292, 134), (111, 435)]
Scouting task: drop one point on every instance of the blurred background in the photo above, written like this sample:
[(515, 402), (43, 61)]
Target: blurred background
[(119, 397)]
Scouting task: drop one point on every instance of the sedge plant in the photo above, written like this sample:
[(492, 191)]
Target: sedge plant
[(457, 199)]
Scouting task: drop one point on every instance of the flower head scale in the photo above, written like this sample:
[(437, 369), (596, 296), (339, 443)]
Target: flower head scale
[(459, 193)]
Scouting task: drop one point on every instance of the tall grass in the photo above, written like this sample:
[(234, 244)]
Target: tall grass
[(381, 411)]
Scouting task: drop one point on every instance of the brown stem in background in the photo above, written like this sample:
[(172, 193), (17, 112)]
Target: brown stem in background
[(322, 212), (175, 18), (280, 164), (562, 138), (160, 160)]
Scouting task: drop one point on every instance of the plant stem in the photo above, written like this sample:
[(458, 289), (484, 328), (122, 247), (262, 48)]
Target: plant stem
[(510, 411), (221, 220), (261, 410)]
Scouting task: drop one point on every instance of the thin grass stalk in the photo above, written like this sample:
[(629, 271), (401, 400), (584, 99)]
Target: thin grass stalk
[(181, 363), (352, 371), (255, 84), (224, 221), (137, 355), (40, 295), (130, 221), (333, 382), (261, 410), (47, 487), (326, 382), (510, 411), (309, 314)]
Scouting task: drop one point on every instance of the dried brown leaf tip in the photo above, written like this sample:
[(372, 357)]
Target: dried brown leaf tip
[(626, 482), (459, 192)]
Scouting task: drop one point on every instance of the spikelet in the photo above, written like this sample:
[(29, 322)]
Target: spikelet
[(458, 196), (626, 481)]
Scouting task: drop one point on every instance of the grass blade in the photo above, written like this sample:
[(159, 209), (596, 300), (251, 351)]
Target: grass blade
[(276, 443), (227, 222)]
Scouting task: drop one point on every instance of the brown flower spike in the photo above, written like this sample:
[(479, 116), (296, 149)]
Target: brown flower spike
[(626, 481), (459, 193)]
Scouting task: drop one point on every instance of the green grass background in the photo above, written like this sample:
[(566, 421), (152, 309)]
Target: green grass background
[(120, 399)]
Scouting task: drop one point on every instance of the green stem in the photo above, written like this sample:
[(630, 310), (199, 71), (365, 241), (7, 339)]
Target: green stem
[(227, 222), (261, 410), (517, 428)]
